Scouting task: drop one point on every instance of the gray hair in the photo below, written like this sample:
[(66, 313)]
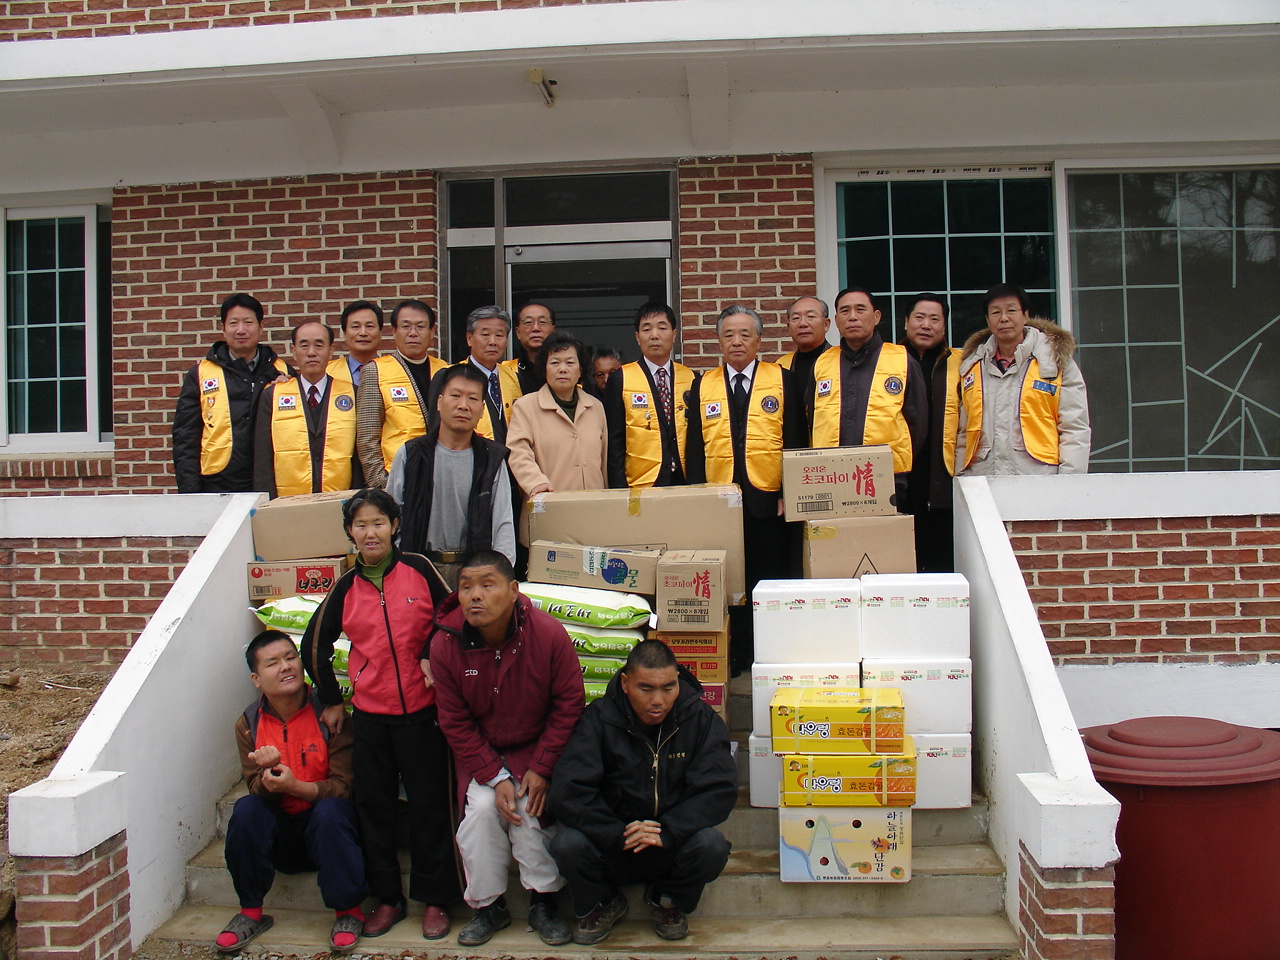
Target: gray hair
[(487, 313), (733, 310), (826, 311)]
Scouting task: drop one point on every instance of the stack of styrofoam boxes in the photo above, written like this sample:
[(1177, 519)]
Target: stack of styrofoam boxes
[(915, 637), (806, 635)]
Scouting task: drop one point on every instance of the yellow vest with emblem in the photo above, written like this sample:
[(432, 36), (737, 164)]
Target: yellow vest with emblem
[(402, 418), (215, 413), (884, 421), (640, 410), (763, 449), (292, 448), (1037, 412), (509, 385), (951, 412)]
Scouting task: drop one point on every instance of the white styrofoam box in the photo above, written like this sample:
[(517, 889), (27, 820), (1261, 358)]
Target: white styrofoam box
[(766, 678), (907, 615), (944, 770), (807, 621), (764, 771), (937, 695)]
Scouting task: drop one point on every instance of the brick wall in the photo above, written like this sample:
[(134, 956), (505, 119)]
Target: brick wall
[(57, 19), (1065, 913), (56, 474), (302, 246), (82, 602), (1178, 590), (75, 908), (746, 236)]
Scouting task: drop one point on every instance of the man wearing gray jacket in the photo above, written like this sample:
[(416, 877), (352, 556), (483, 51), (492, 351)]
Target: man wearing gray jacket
[(1023, 406)]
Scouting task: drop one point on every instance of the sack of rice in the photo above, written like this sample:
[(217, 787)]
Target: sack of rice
[(599, 668), (600, 641), (290, 614), (594, 689), (593, 608)]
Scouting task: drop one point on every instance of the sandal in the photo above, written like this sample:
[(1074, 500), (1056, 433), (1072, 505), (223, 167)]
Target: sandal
[(245, 929), (347, 923)]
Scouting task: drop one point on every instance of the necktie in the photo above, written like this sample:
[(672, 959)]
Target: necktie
[(313, 397), (495, 393), (664, 395), (740, 391)]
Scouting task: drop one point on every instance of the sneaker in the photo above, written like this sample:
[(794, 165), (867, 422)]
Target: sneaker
[(547, 923), (668, 922), (487, 921), (239, 931), (598, 924)]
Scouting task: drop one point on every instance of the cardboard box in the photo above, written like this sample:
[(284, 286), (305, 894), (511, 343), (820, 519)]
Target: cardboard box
[(836, 720), (937, 694), (700, 517), (764, 771), (857, 546), (807, 621), (709, 669), (833, 482), (766, 678), (690, 592), (295, 528), (713, 643), (915, 615), (944, 771), (607, 568), (844, 844), (850, 780), (294, 578), (716, 695)]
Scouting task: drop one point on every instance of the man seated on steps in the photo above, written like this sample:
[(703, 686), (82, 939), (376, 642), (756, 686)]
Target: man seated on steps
[(509, 691), (298, 815), (644, 780)]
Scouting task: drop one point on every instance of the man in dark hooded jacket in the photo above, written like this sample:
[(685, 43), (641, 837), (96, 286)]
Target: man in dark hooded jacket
[(638, 791)]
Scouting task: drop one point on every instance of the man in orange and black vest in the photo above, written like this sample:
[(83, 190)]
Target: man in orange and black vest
[(297, 815), (213, 423), (305, 438), (742, 415), (867, 391), (646, 406), (929, 486)]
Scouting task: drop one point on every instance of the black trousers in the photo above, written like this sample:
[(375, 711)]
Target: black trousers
[(935, 536), (594, 876), (387, 751)]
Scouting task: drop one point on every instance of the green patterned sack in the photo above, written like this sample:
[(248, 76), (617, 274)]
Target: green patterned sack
[(593, 608)]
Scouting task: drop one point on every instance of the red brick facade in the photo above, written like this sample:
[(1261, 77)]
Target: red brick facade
[(1065, 913), (83, 602), (1176, 590), (60, 19), (75, 908)]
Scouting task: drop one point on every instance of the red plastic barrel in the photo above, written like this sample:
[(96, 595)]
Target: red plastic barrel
[(1199, 837)]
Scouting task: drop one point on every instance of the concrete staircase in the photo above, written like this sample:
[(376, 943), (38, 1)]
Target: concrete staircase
[(951, 908)]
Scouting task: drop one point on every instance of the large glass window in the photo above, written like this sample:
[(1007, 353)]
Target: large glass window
[(950, 235), (57, 382), (1175, 287)]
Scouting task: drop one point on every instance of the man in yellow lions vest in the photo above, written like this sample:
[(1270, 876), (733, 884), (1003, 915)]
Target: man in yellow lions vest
[(391, 401), (742, 415), (361, 322), (213, 422), (866, 391), (488, 330), (1023, 404), (808, 320), (929, 486), (305, 438), (646, 406)]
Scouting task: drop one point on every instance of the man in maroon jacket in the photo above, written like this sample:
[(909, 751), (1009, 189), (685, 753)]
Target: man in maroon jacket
[(509, 693)]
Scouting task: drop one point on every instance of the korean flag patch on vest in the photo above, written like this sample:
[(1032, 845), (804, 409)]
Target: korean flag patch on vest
[(287, 403), (639, 400), (968, 380), (711, 411), (399, 394), (209, 386), (824, 387)]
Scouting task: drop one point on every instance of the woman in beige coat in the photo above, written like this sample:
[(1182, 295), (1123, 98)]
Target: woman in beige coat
[(557, 436)]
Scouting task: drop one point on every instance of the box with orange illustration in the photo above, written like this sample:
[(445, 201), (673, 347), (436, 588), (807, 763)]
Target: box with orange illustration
[(850, 780), (708, 669), (840, 720), (844, 844)]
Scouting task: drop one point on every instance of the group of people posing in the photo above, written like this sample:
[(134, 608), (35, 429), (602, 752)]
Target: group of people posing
[(473, 701)]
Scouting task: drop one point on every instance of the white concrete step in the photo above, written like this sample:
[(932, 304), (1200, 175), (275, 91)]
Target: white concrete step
[(958, 937)]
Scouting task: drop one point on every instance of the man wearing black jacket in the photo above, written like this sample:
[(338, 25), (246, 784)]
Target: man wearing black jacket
[(638, 791), (213, 424), (453, 484)]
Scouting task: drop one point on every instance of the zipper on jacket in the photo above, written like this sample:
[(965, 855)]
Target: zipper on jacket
[(382, 599), (654, 750)]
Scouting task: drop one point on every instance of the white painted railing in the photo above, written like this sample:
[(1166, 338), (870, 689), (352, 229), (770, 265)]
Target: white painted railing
[(1031, 763), (157, 745)]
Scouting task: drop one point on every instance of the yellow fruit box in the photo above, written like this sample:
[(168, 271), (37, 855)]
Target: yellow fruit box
[(837, 720), (833, 780)]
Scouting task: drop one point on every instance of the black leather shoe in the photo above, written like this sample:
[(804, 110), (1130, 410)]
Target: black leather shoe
[(547, 923), (487, 921)]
